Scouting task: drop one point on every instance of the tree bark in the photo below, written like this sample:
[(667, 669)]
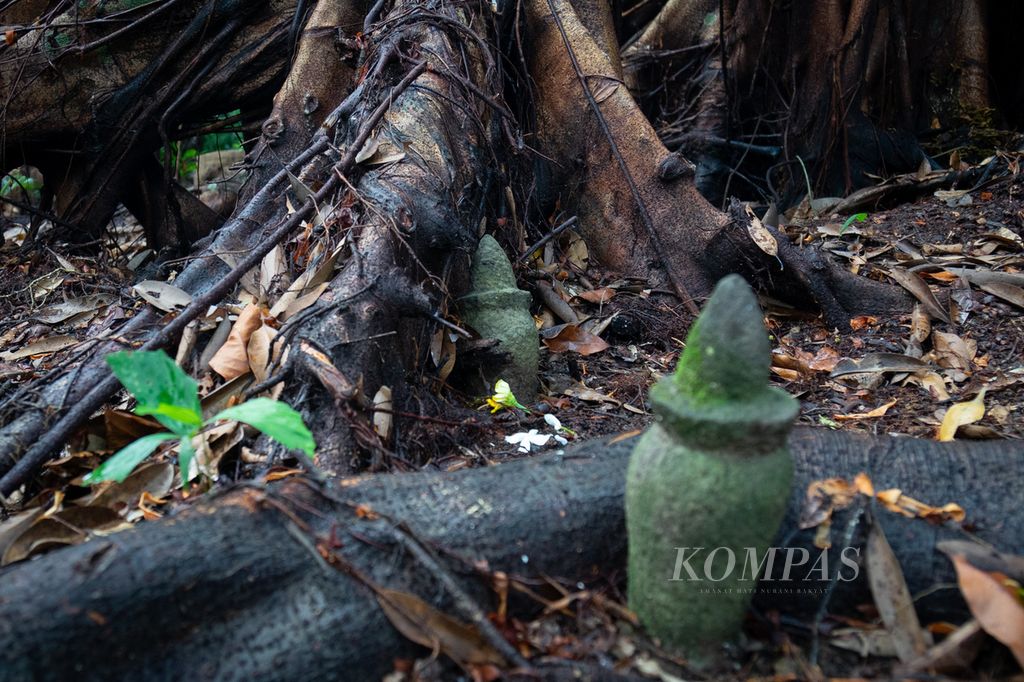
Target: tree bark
[(235, 587)]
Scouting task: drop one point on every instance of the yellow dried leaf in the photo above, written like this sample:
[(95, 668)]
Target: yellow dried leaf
[(877, 412), (960, 414)]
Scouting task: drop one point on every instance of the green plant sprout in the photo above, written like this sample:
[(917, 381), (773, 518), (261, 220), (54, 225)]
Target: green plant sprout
[(17, 180), (162, 390), (859, 217)]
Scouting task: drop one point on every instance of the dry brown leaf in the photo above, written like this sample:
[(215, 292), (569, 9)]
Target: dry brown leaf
[(154, 478), (862, 321), (760, 235), (280, 474), (825, 360), (436, 345), (878, 362), (787, 374), (920, 324), (578, 254), (952, 351), (46, 346), (953, 655), (449, 352), (916, 286), (931, 382), (993, 604), (162, 296), (606, 89), (572, 337), (368, 149), (306, 288), (232, 359), (892, 597), (1007, 292), (67, 527), (273, 275), (425, 625), (65, 310), (258, 351), (824, 497), (122, 428), (383, 418), (877, 412), (895, 501), (602, 295), (13, 527)]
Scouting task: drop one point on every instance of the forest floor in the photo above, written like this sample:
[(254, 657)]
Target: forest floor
[(912, 368)]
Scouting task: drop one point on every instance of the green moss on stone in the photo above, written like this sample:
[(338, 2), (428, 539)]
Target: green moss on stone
[(713, 473), (498, 310)]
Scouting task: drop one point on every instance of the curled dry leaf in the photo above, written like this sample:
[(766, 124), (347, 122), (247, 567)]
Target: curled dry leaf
[(760, 235), (931, 382), (920, 324), (895, 501), (258, 351), (572, 337), (232, 359), (952, 351), (962, 414), (994, 604)]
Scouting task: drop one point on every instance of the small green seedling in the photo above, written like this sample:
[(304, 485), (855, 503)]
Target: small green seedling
[(14, 181), (859, 217), (163, 391)]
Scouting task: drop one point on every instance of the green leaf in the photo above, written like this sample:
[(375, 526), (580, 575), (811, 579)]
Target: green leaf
[(276, 419), (185, 455), (181, 414), (155, 381), (859, 217), (126, 459)]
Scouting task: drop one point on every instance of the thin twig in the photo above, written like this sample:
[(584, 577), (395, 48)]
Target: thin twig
[(548, 237)]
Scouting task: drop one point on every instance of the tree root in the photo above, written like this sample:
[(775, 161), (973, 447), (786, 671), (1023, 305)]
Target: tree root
[(278, 582)]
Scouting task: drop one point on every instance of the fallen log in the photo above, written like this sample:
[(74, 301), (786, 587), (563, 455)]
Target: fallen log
[(237, 586)]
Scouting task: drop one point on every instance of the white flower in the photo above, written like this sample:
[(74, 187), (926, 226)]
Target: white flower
[(527, 440), (557, 427)]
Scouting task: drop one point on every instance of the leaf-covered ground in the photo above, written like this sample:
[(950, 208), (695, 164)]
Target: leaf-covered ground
[(605, 342)]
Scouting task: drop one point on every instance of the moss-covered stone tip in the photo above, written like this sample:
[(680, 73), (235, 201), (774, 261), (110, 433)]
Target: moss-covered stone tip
[(491, 270), (727, 354)]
